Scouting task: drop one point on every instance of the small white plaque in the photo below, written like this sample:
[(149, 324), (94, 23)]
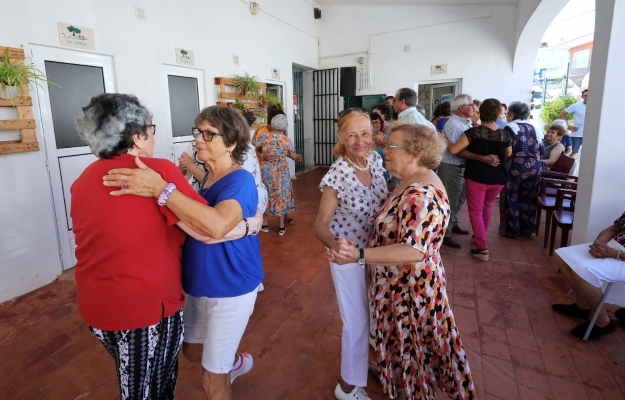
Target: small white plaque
[(79, 37), (185, 57), (438, 69), (275, 74)]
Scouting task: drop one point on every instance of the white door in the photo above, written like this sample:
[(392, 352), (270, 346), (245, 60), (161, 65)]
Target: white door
[(442, 92), (185, 99), (82, 76)]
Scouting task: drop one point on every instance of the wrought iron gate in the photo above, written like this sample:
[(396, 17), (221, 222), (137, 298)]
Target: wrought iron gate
[(298, 117), (325, 113)]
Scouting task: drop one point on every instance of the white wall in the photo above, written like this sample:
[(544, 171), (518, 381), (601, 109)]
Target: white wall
[(476, 42), (214, 29)]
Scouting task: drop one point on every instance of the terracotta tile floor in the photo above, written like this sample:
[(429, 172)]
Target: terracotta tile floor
[(518, 348)]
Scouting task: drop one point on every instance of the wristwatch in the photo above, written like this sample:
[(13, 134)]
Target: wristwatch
[(361, 257)]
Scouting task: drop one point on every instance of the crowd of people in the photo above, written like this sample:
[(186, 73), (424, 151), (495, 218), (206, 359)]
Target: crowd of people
[(389, 203)]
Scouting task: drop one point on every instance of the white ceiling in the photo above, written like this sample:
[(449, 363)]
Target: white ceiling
[(414, 2)]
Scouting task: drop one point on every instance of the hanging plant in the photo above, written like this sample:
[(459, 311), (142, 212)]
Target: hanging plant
[(246, 86), (14, 78), (274, 100)]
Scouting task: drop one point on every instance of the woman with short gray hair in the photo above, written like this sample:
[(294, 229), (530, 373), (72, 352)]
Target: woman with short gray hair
[(523, 180)]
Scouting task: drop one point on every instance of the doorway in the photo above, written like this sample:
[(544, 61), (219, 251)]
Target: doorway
[(431, 94), (82, 76)]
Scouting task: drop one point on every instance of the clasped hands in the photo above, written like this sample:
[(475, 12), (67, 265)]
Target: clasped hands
[(343, 252), (599, 249)]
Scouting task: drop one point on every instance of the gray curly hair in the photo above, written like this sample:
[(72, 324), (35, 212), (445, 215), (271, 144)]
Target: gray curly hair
[(109, 122)]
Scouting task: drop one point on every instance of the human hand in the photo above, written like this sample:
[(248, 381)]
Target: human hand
[(141, 181), (185, 161), (490, 159), (573, 128), (296, 157), (601, 250)]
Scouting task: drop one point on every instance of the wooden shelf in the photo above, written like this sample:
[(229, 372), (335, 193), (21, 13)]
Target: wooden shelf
[(25, 122), (228, 95)]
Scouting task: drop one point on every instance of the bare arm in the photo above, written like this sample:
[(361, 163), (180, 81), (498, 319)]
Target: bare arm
[(461, 144), (563, 115), (214, 222), (568, 150), (555, 154), (327, 207), (386, 256), (249, 226), (490, 159), (508, 151)]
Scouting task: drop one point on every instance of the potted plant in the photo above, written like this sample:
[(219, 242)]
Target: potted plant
[(249, 116), (14, 77), (274, 100), (238, 104), (246, 86), (264, 100)]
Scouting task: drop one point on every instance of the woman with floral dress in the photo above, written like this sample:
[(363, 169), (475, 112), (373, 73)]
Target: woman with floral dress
[(274, 147), (353, 190), (417, 342)]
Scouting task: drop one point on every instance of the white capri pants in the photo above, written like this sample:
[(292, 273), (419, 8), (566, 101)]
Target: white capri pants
[(351, 293), (219, 324), (593, 270)]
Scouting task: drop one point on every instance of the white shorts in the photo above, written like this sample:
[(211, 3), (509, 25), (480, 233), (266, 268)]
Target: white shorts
[(593, 270), (217, 323)]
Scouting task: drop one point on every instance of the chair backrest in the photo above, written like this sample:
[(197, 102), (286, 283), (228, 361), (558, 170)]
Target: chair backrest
[(569, 194), (556, 184), (564, 164)]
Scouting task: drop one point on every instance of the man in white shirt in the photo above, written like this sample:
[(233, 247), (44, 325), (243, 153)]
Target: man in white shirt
[(405, 108), (578, 111)]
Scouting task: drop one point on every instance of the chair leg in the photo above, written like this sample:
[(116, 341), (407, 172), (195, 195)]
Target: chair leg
[(599, 307), (564, 239), (548, 216), (539, 212), (554, 229)]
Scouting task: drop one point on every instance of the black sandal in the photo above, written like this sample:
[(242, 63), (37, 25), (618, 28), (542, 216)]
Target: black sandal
[(289, 220)]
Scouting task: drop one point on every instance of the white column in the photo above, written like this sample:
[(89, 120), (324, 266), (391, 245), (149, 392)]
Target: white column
[(601, 190)]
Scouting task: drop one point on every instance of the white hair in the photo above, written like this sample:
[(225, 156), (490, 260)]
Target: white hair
[(562, 123), (459, 101)]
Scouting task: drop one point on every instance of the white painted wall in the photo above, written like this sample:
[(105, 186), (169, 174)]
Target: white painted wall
[(476, 42), (214, 29)]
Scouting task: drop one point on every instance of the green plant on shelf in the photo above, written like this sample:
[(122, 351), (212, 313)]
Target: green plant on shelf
[(246, 86), (274, 100), (239, 105), (14, 78)]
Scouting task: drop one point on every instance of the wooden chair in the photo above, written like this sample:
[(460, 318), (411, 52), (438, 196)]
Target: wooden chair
[(562, 218), (548, 203), (564, 164), (555, 175)]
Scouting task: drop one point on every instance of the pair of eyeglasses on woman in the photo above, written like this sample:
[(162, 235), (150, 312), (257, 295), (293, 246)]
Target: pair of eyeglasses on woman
[(153, 128), (207, 136), (346, 111), (393, 146)]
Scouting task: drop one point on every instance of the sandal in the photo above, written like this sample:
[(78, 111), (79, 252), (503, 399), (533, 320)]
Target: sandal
[(281, 231), (289, 220), (481, 254), (265, 228)]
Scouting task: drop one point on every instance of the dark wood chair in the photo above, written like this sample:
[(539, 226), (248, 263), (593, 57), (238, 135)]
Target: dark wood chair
[(555, 175), (564, 164), (548, 203), (562, 218)]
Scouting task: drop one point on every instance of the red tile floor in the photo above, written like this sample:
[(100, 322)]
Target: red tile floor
[(517, 347)]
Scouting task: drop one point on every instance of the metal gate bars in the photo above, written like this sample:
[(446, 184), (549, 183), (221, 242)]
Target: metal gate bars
[(325, 113)]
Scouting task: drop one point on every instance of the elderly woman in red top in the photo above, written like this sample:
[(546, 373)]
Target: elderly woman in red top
[(128, 274)]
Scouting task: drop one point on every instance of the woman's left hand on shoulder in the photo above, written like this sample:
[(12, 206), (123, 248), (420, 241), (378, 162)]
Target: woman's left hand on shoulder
[(141, 181)]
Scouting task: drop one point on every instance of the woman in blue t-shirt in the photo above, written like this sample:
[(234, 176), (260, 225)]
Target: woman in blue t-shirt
[(221, 279)]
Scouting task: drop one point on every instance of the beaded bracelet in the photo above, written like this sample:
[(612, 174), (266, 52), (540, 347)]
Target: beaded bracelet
[(247, 227), (162, 199)]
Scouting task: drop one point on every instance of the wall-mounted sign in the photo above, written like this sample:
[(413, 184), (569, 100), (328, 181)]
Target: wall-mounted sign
[(185, 57), (438, 69), (447, 97), (275, 74), (76, 36)]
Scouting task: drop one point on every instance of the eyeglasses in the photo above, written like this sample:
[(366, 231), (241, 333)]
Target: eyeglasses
[(207, 135), (348, 110), (153, 128), (393, 146)]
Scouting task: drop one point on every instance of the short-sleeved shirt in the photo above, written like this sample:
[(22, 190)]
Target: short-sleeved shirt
[(413, 116), (453, 129), (485, 141), (440, 123), (578, 111), (226, 269), (620, 224), (128, 249), (566, 141), (358, 204)]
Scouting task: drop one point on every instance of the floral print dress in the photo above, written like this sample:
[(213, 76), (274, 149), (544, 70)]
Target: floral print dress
[(417, 341), (275, 172)]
